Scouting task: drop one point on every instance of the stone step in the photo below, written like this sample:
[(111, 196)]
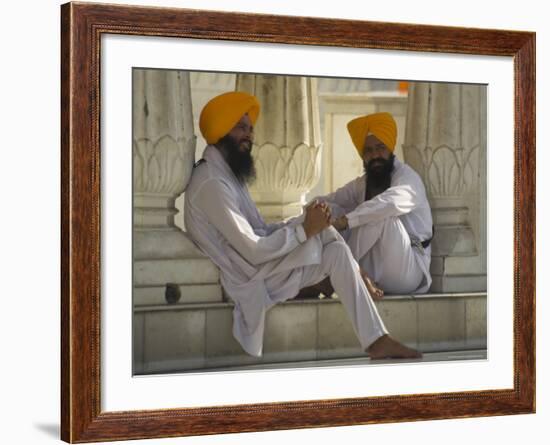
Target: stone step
[(456, 265), (429, 357), (187, 337), (459, 283), (184, 270), (186, 293)]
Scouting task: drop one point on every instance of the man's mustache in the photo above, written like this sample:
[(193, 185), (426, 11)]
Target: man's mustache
[(376, 161)]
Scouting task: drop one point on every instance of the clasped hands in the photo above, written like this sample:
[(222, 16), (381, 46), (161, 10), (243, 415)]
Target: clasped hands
[(318, 218)]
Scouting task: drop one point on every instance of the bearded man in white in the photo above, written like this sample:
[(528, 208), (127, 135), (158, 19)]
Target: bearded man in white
[(263, 264), (384, 215)]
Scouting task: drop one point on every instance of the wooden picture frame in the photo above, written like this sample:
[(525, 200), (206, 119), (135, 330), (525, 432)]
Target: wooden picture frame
[(82, 25)]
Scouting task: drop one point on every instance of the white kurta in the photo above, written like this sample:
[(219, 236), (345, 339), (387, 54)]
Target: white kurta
[(381, 229), (262, 264)]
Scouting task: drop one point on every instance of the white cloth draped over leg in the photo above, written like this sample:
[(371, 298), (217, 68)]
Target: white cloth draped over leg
[(339, 264), (383, 249)]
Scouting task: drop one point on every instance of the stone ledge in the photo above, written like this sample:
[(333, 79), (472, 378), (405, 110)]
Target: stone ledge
[(229, 304), (147, 296), (183, 337), (459, 283), (430, 357), (183, 271)]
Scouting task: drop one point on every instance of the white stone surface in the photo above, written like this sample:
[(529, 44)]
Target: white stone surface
[(400, 318), (446, 144), (169, 243), (455, 265), (163, 157), (190, 293), (441, 324), (476, 323), (185, 270), (460, 283), (344, 85), (287, 142), (199, 335), (291, 333), (138, 337), (163, 135), (336, 335), (221, 347), (174, 340)]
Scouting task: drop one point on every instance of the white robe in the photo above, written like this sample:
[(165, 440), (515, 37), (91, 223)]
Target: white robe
[(380, 230), (262, 264)]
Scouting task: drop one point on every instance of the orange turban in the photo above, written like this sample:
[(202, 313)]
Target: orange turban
[(381, 125), (221, 114)]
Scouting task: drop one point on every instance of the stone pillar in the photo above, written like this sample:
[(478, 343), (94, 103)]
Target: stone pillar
[(445, 142), (340, 85), (287, 146), (204, 86), (167, 264)]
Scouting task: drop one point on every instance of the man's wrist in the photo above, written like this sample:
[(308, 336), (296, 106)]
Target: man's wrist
[(344, 220)]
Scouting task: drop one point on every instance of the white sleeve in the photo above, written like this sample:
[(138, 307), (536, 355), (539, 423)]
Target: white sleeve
[(395, 201), (217, 201), (295, 221)]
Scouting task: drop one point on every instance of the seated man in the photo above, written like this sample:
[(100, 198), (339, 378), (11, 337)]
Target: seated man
[(384, 215), (264, 264)]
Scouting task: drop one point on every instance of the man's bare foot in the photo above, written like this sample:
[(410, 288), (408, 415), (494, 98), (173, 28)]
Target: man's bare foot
[(387, 347), (375, 292)]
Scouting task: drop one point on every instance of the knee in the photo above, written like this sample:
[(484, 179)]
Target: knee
[(335, 251), (330, 235), (389, 223), (394, 226)]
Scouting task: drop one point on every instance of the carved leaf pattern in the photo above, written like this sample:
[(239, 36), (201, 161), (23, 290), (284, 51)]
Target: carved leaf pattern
[(471, 166), (446, 171), (285, 168), (163, 166)]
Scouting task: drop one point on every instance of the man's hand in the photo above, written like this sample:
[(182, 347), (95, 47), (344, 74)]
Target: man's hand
[(317, 218), (340, 223)]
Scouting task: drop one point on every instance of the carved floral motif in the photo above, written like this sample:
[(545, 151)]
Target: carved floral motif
[(163, 166), (283, 168), (447, 171)]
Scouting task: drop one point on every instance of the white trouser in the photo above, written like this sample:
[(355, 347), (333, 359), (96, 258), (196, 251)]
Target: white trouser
[(383, 250), (338, 263)]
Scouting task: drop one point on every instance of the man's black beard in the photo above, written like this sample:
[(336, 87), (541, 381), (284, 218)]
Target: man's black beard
[(378, 172), (240, 162)]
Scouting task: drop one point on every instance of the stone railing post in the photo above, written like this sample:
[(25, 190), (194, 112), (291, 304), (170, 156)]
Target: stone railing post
[(445, 143), (167, 264), (287, 146)]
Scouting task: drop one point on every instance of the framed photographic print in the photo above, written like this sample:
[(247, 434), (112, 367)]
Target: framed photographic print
[(152, 330)]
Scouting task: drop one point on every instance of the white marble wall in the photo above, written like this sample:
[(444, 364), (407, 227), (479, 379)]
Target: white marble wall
[(446, 143), (163, 157), (204, 86), (287, 142)]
